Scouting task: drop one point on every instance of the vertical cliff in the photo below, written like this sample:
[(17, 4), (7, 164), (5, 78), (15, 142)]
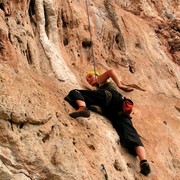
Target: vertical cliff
[(45, 51)]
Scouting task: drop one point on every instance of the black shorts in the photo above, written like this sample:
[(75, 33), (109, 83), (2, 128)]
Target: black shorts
[(90, 97), (129, 137)]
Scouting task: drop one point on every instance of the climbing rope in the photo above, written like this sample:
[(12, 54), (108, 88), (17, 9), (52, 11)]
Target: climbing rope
[(89, 28)]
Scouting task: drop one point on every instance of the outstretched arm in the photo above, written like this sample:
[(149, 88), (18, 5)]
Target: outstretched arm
[(112, 74)]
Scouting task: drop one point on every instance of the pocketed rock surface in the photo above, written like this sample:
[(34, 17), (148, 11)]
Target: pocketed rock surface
[(45, 51)]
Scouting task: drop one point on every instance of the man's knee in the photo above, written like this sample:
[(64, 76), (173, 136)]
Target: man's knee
[(74, 92)]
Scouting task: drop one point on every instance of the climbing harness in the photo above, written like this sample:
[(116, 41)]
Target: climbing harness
[(102, 168), (90, 33)]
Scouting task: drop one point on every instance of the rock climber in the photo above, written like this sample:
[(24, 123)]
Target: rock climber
[(112, 105)]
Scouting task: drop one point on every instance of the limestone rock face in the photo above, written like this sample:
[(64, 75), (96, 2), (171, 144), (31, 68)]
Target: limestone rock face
[(46, 50)]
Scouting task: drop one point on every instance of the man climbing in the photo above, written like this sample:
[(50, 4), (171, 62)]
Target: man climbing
[(114, 106), (6, 6)]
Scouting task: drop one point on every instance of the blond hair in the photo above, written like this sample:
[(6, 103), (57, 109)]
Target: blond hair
[(93, 73)]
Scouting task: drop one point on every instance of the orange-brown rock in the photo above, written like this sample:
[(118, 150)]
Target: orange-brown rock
[(46, 50)]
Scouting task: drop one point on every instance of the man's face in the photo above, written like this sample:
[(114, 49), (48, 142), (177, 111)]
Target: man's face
[(91, 79)]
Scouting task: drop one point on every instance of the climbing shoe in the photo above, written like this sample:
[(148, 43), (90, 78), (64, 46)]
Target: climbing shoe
[(145, 168), (82, 112)]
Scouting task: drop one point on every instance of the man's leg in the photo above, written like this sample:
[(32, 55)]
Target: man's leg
[(83, 98), (144, 165), (130, 139), (141, 152), (82, 110)]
